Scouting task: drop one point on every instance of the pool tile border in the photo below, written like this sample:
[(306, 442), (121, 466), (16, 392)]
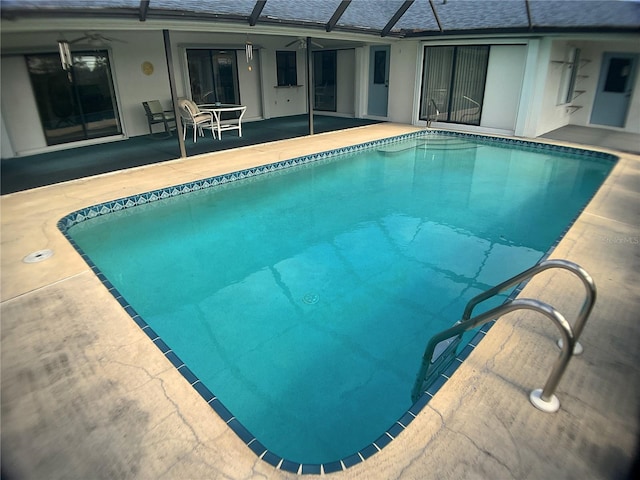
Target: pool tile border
[(173, 191), (79, 216)]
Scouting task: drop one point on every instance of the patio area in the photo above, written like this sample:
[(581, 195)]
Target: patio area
[(23, 173)]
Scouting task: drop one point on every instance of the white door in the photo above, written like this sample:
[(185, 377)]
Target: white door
[(378, 81), (615, 86)]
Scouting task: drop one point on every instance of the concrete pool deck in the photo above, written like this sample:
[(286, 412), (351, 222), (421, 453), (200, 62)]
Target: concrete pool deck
[(85, 393)]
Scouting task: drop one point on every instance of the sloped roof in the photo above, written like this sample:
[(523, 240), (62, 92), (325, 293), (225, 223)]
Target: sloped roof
[(380, 17)]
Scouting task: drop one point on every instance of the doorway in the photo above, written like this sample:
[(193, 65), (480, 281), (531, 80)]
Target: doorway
[(378, 81), (213, 76), (78, 104), (324, 80), (615, 86), (453, 83)]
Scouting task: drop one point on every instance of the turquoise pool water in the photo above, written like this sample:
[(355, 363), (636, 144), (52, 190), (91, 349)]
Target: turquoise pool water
[(304, 298)]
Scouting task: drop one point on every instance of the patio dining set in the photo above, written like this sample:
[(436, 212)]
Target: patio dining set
[(219, 117)]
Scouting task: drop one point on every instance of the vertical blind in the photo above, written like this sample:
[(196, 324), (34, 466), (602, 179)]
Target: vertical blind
[(453, 83)]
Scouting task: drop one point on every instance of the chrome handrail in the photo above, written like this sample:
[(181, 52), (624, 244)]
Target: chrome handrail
[(472, 101), (429, 119), (477, 105), (543, 399), (576, 269)]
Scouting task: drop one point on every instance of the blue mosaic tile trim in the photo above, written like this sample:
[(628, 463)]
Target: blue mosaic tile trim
[(525, 144), (367, 451), (332, 467), (311, 468), (272, 459), (351, 460), (383, 440), (420, 404), (476, 339), (404, 420), (245, 435), (125, 203), (570, 225), (205, 393), (257, 448), (289, 466), (451, 369), (148, 197)]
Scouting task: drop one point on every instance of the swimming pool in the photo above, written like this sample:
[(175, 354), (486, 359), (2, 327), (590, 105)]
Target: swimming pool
[(313, 325)]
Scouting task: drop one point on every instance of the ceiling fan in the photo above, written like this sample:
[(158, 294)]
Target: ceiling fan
[(302, 43), (91, 38), (94, 38)]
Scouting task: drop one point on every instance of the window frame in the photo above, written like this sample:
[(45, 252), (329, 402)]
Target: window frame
[(212, 89), (83, 107), (286, 68), (569, 77), (452, 84), (325, 87)]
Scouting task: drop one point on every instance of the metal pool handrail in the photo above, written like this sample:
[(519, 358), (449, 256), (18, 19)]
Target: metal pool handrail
[(429, 119), (576, 269), (543, 399)]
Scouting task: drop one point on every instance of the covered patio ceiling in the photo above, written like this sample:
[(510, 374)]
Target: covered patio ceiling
[(393, 18)]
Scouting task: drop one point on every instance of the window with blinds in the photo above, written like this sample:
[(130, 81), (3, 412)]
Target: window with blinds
[(453, 81)]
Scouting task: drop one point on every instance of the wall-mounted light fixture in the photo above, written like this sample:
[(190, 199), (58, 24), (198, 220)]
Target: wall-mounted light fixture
[(249, 52)]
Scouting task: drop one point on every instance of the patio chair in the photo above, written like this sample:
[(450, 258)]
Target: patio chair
[(156, 114), (192, 116)]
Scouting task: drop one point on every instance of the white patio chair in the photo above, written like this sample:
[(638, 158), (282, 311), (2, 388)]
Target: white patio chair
[(192, 116)]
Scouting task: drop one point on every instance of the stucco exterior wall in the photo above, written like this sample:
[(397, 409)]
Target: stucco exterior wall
[(282, 101), (346, 84), (19, 111), (403, 68), (553, 114), (505, 75), (132, 85)]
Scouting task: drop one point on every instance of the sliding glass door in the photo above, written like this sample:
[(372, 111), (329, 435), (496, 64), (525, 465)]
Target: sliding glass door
[(213, 76), (453, 82), (324, 80), (78, 104)]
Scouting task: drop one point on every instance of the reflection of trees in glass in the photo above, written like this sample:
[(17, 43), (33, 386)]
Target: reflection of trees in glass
[(52, 91), (380, 67), (213, 76), (43, 64), (74, 105), (325, 79), (617, 75)]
